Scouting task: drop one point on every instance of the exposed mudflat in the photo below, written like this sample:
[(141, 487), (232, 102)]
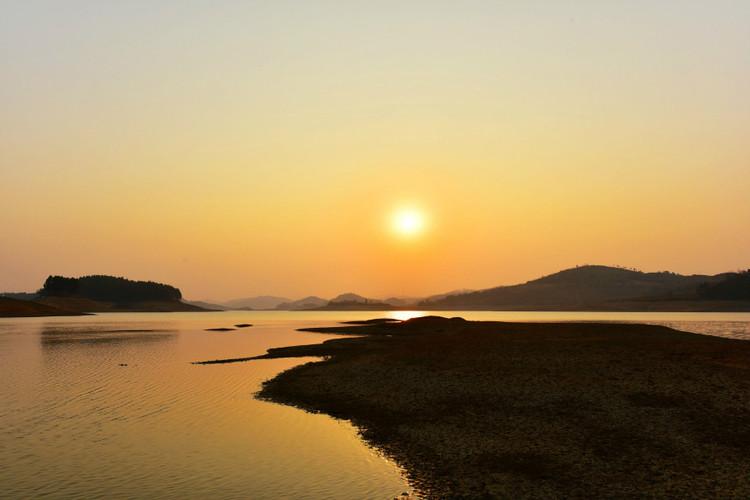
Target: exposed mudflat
[(489, 409)]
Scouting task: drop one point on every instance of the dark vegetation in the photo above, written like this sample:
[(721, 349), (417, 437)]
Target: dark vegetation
[(509, 410), (609, 288), (99, 294), (109, 289), (735, 286)]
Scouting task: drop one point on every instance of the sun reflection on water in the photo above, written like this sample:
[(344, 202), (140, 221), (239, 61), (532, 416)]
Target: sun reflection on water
[(405, 315)]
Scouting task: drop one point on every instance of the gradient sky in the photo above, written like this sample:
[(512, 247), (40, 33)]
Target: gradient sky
[(239, 148)]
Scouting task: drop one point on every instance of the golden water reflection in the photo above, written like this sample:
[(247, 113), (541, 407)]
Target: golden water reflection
[(406, 315), (110, 405)]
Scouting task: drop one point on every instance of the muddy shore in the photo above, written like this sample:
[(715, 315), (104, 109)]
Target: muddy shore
[(489, 409)]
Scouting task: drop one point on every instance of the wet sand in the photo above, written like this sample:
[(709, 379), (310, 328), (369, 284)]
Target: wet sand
[(489, 409)]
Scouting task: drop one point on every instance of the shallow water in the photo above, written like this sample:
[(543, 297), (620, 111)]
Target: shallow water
[(77, 423)]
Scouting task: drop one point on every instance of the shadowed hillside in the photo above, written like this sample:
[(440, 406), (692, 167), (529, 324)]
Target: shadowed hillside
[(109, 293), (598, 287), (10, 308), (734, 286), (588, 287)]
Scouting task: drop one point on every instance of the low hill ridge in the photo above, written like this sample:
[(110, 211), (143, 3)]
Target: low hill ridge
[(593, 287)]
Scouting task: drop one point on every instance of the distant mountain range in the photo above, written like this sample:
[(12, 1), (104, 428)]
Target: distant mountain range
[(589, 287), (610, 288), (206, 305), (584, 288), (259, 302), (344, 301), (310, 302)]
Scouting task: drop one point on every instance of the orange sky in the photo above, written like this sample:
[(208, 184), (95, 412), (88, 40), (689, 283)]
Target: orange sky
[(238, 150)]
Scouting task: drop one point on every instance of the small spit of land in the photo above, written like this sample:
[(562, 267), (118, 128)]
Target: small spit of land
[(488, 409), (13, 308)]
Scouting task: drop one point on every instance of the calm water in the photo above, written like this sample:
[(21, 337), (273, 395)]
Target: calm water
[(75, 423)]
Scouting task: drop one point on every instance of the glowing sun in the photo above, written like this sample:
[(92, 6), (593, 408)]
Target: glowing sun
[(408, 222)]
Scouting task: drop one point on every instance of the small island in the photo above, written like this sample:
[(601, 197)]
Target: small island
[(490, 409)]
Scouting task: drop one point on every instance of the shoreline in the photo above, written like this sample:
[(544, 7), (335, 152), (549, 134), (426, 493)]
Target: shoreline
[(654, 305), (474, 409), (728, 307)]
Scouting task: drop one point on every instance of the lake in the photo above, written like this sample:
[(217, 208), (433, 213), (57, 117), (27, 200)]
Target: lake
[(110, 406)]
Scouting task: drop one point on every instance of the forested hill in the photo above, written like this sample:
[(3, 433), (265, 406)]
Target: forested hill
[(610, 288), (91, 294), (734, 286), (109, 289)]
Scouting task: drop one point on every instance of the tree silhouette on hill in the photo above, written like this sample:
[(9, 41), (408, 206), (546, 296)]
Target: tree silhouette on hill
[(108, 289)]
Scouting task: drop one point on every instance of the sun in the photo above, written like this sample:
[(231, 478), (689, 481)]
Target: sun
[(408, 222)]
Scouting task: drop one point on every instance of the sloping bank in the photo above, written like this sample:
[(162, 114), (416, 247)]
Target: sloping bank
[(488, 409)]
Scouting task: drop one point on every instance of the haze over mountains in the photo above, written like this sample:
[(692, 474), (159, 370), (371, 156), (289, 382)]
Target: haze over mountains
[(259, 302), (310, 302), (589, 287), (585, 288), (348, 300)]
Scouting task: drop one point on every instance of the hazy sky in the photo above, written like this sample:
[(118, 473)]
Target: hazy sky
[(237, 148)]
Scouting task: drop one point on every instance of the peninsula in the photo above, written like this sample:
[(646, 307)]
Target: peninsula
[(490, 409)]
